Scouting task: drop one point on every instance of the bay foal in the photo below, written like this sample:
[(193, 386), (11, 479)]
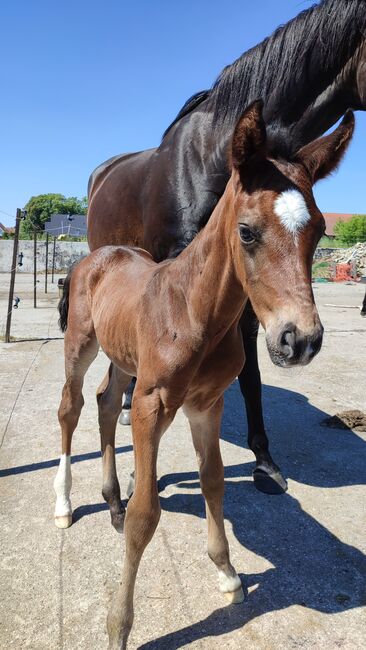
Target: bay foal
[(176, 324)]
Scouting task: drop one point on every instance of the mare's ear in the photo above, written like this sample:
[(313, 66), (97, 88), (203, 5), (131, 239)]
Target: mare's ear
[(322, 156), (249, 139)]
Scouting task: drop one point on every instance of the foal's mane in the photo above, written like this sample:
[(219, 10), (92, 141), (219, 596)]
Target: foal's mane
[(312, 47)]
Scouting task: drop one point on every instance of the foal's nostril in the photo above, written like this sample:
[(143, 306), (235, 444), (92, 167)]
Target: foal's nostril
[(288, 339)]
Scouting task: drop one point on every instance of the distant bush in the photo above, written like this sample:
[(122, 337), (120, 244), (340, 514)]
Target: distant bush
[(352, 231)]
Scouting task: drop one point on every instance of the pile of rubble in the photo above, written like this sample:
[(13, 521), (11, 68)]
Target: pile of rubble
[(356, 255)]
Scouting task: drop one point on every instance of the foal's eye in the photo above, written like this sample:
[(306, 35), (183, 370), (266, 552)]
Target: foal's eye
[(246, 235)]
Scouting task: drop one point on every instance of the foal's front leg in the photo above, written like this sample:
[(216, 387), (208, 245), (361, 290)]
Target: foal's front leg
[(109, 398), (205, 428), (149, 421)]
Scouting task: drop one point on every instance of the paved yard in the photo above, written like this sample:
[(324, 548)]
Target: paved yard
[(300, 554)]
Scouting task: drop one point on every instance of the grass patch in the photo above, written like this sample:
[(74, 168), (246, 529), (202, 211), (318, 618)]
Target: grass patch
[(329, 242), (321, 270)]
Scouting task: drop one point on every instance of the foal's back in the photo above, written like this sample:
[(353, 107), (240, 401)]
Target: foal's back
[(128, 301)]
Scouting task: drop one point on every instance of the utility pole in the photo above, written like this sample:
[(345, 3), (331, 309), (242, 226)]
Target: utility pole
[(12, 277), (53, 259)]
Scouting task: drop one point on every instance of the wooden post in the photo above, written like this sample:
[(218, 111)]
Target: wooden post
[(12, 277), (45, 277), (35, 269), (53, 259)]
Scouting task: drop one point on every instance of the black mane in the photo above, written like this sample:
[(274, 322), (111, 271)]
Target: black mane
[(282, 65)]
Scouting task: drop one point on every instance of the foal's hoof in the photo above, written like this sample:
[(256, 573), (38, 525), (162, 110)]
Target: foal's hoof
[(269, 482), (63, 522), (125, 417), (235, 597)]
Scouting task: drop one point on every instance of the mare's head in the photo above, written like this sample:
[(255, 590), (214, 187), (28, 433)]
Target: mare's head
[(275, 227)]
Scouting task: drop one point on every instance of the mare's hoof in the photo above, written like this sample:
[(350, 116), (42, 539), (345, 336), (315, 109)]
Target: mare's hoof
[(63, 522), (269, 482), (235, 597), (125, 417), (118, 522)]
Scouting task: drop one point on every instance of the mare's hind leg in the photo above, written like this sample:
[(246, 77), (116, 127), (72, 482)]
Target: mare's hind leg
[(81, 348), (125, 417), (109, 397), (363, 307), (205, 428)]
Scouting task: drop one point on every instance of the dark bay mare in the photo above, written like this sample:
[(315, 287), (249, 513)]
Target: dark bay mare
[(178, 331), (308, 73)]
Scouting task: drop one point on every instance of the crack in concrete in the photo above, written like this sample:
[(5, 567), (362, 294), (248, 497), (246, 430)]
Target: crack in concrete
[(19, 391), (61, 592)]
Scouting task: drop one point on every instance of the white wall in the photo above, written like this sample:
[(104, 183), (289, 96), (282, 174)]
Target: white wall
[(66, 254)]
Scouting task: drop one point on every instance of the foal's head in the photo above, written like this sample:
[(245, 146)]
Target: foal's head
[(276, 226)]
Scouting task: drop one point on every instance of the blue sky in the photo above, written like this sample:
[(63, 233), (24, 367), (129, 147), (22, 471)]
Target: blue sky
[(83, 80)]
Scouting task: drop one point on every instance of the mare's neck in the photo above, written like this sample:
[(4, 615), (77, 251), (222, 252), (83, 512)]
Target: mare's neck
[(209, 272)]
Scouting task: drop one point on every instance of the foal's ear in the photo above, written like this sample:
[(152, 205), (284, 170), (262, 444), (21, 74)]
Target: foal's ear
[(249, 139), (322, 156)]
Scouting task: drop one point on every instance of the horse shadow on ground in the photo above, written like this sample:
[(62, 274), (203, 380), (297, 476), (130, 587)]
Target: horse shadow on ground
[(311, 566)]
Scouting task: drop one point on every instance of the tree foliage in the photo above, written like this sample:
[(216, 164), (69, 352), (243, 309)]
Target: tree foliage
[(352, 231), (40, 209)]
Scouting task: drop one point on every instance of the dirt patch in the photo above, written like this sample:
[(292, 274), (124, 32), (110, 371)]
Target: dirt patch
[(355, 420)]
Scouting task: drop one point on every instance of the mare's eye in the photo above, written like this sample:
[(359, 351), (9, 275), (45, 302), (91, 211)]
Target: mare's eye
[(246, 235)]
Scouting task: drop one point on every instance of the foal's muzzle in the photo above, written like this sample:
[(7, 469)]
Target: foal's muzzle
[(292, 347)]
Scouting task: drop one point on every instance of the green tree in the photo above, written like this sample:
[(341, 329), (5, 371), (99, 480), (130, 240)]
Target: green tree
[(40, 209), (352, 231)]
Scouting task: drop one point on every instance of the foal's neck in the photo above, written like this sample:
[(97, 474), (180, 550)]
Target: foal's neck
[(209, 272)]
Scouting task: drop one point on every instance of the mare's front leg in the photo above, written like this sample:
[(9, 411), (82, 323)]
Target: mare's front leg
[(81, 348), (149, 421), (267, 475), (109, 398), (205, 428)]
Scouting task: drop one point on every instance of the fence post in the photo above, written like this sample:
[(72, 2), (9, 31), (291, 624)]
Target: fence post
[(53, 259), (35, 269), (12, 277), (45, 277)]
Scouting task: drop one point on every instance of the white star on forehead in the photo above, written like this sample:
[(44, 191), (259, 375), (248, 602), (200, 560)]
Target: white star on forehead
[(292, 211)]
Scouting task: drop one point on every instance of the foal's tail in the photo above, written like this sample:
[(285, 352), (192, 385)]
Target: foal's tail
[(63, 305)]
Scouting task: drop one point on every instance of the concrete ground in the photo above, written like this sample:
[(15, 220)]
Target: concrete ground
[(300, 555)]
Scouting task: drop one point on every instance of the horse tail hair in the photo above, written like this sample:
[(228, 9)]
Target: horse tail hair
[(63, 305)]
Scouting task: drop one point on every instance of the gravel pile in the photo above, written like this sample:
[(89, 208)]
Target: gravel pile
[(356, 254)]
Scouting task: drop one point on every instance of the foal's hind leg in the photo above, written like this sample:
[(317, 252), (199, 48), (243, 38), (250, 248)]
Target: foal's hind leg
[(109, 397), (81, 348), (205, 428)]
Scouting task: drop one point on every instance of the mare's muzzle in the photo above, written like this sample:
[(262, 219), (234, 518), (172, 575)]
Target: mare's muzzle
[(292, 347)]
